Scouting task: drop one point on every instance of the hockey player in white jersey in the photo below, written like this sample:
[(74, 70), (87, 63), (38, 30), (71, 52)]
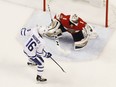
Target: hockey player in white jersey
[(34, 49)]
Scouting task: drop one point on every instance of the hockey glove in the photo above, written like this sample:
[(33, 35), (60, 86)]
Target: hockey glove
[(48, 55)]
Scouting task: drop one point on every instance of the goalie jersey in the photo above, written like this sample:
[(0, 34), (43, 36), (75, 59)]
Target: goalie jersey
[(65, 21)]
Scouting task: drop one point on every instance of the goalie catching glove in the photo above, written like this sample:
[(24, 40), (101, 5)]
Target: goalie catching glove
[(53, 29)]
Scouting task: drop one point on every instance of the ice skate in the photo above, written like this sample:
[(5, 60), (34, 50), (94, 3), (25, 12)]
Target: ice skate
[(40, 79), (31, 64)]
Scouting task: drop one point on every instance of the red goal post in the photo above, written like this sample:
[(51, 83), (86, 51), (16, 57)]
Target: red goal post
[(106, 19), (44, 5)]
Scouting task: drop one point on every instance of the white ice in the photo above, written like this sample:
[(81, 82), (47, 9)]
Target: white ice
[(99, 72)]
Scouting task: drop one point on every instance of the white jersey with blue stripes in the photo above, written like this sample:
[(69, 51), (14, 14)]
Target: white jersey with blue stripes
[(34, 44)]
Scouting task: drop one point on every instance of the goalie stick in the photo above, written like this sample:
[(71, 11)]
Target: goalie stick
[(56, 37), (50, 13)]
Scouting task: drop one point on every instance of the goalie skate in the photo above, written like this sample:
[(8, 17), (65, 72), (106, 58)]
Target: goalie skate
[(40, 79)]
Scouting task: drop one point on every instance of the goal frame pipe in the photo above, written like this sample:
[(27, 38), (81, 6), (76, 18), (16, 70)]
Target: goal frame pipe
[(106, 19), (44, 5)]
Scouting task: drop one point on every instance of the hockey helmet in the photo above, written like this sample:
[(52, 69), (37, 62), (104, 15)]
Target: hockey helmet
[(74, 18)]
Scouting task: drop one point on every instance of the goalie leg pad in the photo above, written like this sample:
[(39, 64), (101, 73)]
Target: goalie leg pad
[(80, 41), (80, 44)]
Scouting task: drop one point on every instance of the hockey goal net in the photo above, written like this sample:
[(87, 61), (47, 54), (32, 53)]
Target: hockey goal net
[(100, 12)]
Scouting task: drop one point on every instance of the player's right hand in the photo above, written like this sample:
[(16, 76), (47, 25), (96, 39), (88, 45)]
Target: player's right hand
[(48, 55)]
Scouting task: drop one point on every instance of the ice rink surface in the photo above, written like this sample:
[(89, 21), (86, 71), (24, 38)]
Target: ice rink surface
[(98, 71)]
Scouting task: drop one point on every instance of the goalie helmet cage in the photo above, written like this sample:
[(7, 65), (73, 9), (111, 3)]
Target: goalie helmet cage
[(106, 6)]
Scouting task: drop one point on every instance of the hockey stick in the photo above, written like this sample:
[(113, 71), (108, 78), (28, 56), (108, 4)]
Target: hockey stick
[(56, 63), (50, 13)]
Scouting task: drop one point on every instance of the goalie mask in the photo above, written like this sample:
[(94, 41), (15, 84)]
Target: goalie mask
[(74, 19)]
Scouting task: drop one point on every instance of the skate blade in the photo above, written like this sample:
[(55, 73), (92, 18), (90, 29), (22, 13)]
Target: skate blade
[(41, 82)]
